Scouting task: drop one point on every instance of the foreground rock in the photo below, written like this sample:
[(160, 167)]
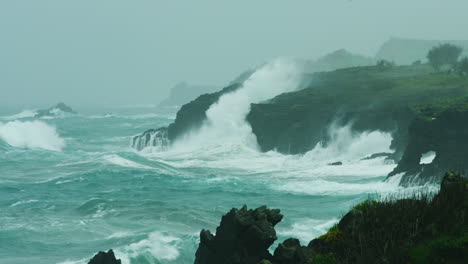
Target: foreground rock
[(243, 237), (105, 258), (58, 109), (423, 230)]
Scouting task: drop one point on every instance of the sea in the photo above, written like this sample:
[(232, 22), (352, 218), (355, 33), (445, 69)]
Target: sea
[(71, 184)]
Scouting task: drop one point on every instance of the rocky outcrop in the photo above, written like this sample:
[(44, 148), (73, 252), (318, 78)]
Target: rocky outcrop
[(243, 237), (58, 109), (190, 117), (422, 229), (105, 258), (444, 133)]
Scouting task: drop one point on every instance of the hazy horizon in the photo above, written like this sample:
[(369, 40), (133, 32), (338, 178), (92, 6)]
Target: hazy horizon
[(121, 52)]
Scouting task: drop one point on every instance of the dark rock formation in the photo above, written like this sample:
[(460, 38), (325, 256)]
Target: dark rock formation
[(105, 258), (338, 163), (243, 237), (54, 110), (446, 134)]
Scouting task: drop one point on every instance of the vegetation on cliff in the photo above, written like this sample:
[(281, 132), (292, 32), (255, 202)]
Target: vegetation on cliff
[(371, 98)]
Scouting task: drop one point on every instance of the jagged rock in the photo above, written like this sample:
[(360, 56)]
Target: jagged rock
[(243, 237), (54, 110), (105, 258)]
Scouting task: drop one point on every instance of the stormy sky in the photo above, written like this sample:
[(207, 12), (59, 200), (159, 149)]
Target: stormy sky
[(131, 52)]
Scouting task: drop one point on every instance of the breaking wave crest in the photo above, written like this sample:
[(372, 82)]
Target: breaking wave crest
[(226, 119), (31, 135)]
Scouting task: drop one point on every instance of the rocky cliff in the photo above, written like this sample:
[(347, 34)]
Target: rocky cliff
[(367, 98)]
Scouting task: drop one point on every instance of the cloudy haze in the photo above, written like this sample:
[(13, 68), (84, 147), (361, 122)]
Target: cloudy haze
[(132, 52)]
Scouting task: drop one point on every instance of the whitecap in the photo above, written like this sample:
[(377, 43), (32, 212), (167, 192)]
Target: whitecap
[(31, 135), (23, 202), (117, 160), (157, 246)]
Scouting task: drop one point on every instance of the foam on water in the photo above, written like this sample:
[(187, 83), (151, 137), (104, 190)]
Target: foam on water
[(32, 135), (117, 160), (157, 246)]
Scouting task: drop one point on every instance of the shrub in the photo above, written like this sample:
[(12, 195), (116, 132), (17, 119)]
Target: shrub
[(445, 54)]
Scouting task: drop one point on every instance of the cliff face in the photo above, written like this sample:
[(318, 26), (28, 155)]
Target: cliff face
[(442, 130), (368, 98), (425, 230)]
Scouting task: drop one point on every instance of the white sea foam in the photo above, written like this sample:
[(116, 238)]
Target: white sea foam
[(157, 246), (32, 135), (307, 229), (117, 160)]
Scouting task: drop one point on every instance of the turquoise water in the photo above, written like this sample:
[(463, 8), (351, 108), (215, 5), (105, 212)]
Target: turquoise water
[(65, 196)]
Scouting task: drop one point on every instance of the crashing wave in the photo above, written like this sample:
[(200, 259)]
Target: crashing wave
[(31, 135), (157, 138)]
